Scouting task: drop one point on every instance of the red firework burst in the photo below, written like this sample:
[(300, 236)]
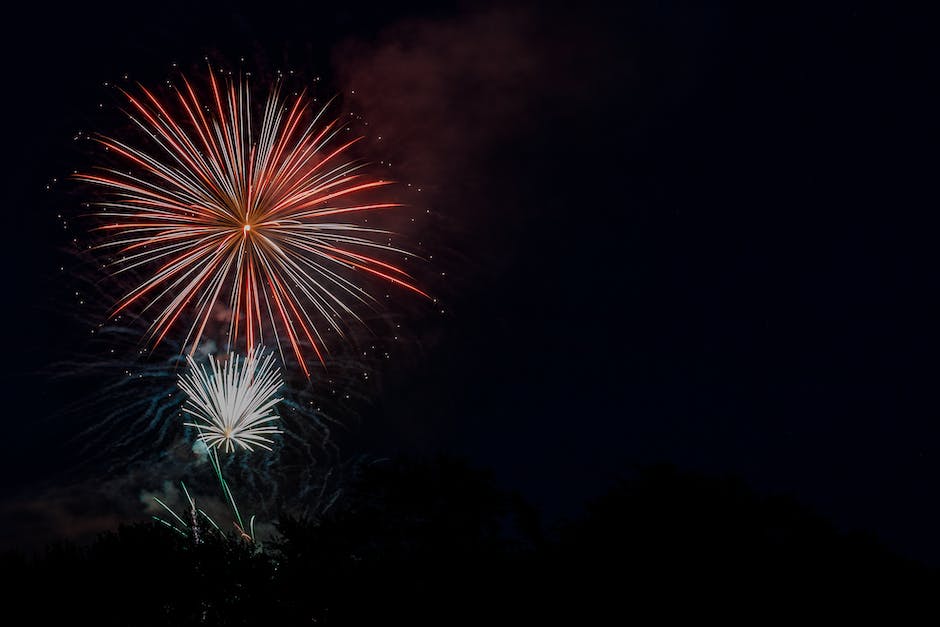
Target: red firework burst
[(219, 209)]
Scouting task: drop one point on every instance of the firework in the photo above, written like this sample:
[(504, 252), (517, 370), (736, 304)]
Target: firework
[(224, 207), (182, 527), (193, 527), (233, 402)]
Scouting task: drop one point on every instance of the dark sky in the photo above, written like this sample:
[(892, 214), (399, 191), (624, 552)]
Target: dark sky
[(670, 233)]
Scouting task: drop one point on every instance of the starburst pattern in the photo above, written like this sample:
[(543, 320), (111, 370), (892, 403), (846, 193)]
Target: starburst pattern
[(233, 402), (220, 211)]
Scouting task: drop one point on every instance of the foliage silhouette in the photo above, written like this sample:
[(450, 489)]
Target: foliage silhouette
[(436, 542)]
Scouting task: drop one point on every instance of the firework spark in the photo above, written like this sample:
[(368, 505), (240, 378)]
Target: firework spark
[(221, 210), (193, 528), (233, 402)]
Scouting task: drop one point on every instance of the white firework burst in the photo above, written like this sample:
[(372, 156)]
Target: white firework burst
[(233, 402)]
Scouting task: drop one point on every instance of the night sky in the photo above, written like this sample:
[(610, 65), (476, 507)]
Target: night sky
[(667, 233)]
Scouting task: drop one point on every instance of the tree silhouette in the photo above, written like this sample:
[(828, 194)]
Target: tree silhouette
[(435, 542)]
